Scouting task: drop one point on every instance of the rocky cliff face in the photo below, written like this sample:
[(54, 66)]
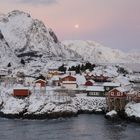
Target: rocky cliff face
[(27, 38)]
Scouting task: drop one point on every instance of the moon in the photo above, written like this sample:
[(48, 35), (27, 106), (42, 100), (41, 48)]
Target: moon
[(76, 26)]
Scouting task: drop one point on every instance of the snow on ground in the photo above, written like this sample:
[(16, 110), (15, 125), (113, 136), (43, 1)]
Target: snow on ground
[(133, 109), (89, 103), (109, 71), (49, 102), (111, 113), (13, 106), (134, 77), (124, 81)]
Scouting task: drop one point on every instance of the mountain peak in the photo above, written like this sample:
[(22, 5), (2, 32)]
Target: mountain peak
[(30, 39), (95, 52), (17, 12)]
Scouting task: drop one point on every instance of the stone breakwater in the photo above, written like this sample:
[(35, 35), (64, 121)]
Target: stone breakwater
[(43, 107)]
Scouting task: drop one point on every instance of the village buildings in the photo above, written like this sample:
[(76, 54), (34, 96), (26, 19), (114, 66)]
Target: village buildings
[(117, 92)]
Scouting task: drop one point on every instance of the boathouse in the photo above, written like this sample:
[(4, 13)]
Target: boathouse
[(21, 92), (116, 99)]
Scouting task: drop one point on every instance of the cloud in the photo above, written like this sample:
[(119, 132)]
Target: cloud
[(36, 2), (39, 1)]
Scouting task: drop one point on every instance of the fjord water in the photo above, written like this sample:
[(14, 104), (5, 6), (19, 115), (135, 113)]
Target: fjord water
[(83, 127)]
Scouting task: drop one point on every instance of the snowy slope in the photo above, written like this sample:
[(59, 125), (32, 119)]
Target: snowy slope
[(30, 40), (6, 53), (94, 52), (48, 102)]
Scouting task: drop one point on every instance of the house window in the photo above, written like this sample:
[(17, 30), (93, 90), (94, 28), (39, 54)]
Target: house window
[(118, 94), (96, 93), (112, 93)]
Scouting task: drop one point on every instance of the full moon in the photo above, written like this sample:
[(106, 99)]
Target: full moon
[(76, 26)]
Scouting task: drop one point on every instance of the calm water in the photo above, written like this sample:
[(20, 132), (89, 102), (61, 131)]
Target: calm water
[(83, 127)]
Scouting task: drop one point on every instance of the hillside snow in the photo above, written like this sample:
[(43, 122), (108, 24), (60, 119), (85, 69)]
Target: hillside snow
[(29, 39), (95, 52)]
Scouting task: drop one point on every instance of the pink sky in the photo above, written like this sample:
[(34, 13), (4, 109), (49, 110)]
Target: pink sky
[(114, 23)]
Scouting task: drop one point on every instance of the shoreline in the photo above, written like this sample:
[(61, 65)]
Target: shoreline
[(56, 115)]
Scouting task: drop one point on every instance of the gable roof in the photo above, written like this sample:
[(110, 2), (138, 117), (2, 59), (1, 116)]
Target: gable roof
[(40, 80), (65, 76)]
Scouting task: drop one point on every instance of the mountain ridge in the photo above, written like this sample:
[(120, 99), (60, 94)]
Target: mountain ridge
[(95, 52)]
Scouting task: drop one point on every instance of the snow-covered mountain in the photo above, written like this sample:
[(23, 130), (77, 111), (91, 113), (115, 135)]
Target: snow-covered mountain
[(23, 37), (94, 52), (6, 53)]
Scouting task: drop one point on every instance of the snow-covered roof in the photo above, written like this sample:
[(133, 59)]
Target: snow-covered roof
[(122, 89), (81, 88), (92, 81), (95, 88), (20, 87), (122, 80), (69, 82), (40, 80), (66, 75), (111, 84)]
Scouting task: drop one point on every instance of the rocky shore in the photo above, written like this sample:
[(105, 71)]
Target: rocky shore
[(39, 106)]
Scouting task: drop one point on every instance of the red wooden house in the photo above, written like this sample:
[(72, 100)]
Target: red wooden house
[(21, 92), (40, 82), (68, 78), (116, 99), (68, 82)]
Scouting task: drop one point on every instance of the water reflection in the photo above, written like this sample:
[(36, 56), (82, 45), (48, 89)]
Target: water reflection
[(83, 127)]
